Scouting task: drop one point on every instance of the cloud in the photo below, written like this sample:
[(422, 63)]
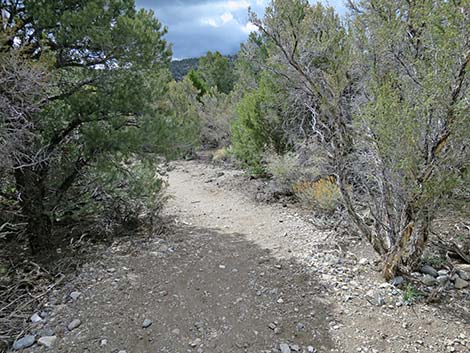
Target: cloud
[(197, 26)]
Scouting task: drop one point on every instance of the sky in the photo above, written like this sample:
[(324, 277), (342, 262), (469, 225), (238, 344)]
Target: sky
[(198, 26)]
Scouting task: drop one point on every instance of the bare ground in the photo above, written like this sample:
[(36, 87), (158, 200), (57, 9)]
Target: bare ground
[(234, 275)]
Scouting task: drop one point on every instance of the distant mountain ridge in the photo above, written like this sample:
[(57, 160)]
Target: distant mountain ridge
[(180, 68)]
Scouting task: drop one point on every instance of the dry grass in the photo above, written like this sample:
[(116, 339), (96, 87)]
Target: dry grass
[(322, 194)]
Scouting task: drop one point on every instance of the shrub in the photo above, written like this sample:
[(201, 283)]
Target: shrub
[(258, 126), (322, 194), (285, 169), (221, 155)]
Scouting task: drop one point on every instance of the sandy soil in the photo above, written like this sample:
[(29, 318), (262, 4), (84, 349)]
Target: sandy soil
[(235, 275)]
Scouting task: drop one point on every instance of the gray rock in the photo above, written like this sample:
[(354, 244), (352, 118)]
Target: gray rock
[(75, 295), (122, 352), (464, 275), (363, 261), (46, 331), (74, 324), (147, 323), (429, 280), (429, 270), (442, 272), (284, 347), (460, 283), (397, 280), (24, 342), (380, 300), (36, 318), (295, 347), (442, 279), (47, 341), (103, 342), (195, 343), (310, 349)]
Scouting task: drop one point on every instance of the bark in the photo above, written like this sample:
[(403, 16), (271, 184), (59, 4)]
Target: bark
[(31, 190)]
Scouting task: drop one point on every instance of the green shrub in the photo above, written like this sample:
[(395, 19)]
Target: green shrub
[(257, 126)]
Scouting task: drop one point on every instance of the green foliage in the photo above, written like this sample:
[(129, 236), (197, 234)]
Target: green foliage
[(182, 124), (256, 127), (107, 82), (411, 294), (198, 82), (217, 71)]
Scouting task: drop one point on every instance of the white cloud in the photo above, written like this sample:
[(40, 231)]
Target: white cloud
[(226, 17), (210, 22), (249, 27)]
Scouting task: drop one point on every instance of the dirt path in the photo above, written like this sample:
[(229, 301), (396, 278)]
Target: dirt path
[(238, 276)]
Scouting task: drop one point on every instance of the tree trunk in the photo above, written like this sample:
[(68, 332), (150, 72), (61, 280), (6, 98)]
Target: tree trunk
[(30, 185), (405, 256)]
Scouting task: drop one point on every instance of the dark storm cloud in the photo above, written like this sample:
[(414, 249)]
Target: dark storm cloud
[(197, 26)]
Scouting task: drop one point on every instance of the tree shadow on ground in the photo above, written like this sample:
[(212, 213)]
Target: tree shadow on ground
[(205, 290)]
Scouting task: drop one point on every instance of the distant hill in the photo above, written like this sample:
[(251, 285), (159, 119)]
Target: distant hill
[(180, 68)]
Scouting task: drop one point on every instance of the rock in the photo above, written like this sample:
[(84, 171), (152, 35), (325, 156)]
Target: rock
[(103, 342), (47, 341), (74, 324), (397, 281), (429, 270), (36, 318), (442, 272), (122, 352), (463, 270), (310, 349), (460, 283), (429, 280), (147, 323), (75, 295), (295, 348), (195, 343), (176, 331), (46, 331), (442, 279), (24, 342), (363, 261), (284, 347)]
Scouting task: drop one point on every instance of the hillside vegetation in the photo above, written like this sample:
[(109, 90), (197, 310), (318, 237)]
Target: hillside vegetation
[(362, 119)]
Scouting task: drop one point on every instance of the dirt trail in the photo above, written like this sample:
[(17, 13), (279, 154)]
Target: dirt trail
[(234, 275)]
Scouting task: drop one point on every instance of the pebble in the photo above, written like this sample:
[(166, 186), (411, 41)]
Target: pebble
[(363, 261), (74, 324), (442, 279), (310, 349), (429, 270), (47, 341), (103, 342), (147, 323), (195, 343), (460, 283), (24, 342), (284, 347), (75, 295), (36, 318), (397, 281), (429, 280), (295, 348)]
